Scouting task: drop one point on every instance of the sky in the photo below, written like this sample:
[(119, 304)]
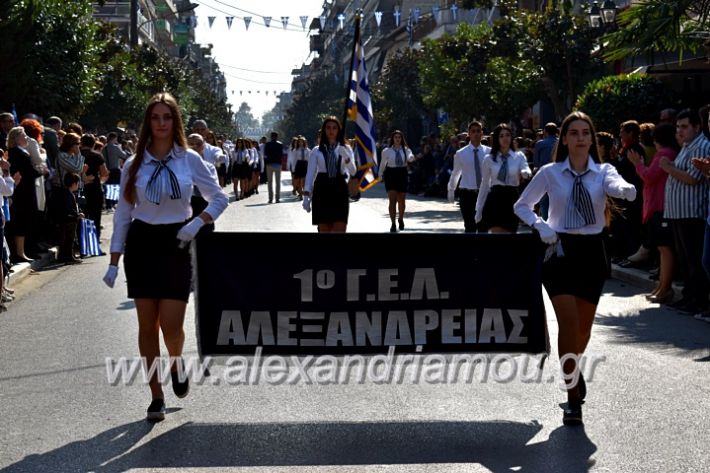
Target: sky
[(259, 59)]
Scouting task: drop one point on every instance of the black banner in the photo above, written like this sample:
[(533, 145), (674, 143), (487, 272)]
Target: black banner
[(301, 293)]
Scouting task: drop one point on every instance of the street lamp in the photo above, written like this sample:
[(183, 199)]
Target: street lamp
[(603, 17)]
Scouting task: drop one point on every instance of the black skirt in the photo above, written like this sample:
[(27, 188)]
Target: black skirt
[(498, 209), (301, 169), (156, 268), (582, 270), (396, 179), (331, 201)]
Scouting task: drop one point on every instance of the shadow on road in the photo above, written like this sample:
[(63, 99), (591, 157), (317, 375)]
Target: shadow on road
[(497, 445)]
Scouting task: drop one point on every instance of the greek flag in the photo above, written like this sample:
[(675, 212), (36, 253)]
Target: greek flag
[(112, 191), (359, 107), (88, 241)]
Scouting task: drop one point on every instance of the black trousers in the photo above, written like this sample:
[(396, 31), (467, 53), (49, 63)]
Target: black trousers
[(689, 238), (467, 203), (94, 207)]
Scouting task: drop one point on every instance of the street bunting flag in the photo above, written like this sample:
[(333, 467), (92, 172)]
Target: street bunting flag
[(397, 16), (284, 21), (378, 18), (471, 293), (341, 20), (211, 19), (247, 20), (267, 21), (112, 191), (360, 112), (229, 22), (322, 22), (304, 21)]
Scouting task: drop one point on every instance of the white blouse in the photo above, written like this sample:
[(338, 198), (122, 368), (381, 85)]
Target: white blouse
[(517, 169), (389, 158), (316, 164), (556, 180), (190, 170), (295, 155)]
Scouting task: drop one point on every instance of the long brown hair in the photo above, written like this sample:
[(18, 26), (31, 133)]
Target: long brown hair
[(401, 135), (323, 146), (561, 151), (146, 136)]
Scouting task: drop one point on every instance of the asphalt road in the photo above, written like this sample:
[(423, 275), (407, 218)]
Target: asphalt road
[(648, 408)]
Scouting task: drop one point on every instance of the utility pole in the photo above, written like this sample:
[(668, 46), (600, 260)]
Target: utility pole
[(134, 24)]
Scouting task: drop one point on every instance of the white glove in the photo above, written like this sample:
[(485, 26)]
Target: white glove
[(547, 234), (451, 195), (630, 193), (478, 217), (110, 276), (306, 203), (188, 232)]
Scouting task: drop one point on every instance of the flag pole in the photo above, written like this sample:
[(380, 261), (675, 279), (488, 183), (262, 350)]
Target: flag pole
[(356, 39)]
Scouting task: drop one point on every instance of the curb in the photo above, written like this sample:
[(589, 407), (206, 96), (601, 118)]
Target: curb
[(635, 277), (20, 271)]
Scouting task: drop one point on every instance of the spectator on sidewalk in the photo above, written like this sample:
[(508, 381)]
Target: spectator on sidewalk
[(67, 215), (114, 157), (542, 154), (96, 173), (657, 228), (686, 206), (23, 210)]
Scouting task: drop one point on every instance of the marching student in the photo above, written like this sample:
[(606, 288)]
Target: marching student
[(299, 160), (467, 168), (393, 166), (501, 173), (241, 169), (257, 165), (577, 185), (328, 166), (152, 226)]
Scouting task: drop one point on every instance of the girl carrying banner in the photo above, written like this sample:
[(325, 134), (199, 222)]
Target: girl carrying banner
[(153, 227), (577, 185), (328, 166)]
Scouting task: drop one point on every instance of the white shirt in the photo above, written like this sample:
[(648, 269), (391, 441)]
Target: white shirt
[(465, 168), (316, 164), (213, 155), (241, 156), (517, 168), (7, 187), (261, 156), (190, 169), (389, 158), (556, 180), (295, 155)]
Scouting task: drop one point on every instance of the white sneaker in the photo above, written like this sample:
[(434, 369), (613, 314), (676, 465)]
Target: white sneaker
[(640, 256), (704, 316)]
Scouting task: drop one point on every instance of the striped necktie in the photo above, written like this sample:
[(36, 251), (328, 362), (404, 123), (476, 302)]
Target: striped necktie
[(332, 162), (303, 154), (580, 210), (160, 180), (503, 171), (398, 158)]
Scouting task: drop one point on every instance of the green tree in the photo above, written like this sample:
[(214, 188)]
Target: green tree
[(652, 26), (244, 118), (49, 51), (321, 97), (476, 73), (397, 94), (612, 100)]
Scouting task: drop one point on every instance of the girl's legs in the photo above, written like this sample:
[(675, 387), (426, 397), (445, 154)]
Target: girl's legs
[(392, 195), (149, 339), (401, 204)]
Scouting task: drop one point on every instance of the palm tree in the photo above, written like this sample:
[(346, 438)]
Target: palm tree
[(659, 26)]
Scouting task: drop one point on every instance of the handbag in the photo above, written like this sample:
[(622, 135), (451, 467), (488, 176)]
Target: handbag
[(88, 240)]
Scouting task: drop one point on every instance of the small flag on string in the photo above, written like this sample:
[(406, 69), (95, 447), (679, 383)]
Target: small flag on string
[(378, 18), (341, 20), (454, 11), (397, 15), (229, 22), (284, 21), (417, 13), (435, 13), (267, 21), (241, 92), (247, 20), (211, 20), (304, 21), (322, 22)]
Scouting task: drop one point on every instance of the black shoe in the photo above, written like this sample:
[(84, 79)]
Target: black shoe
[(680, 303), (572, 415), (270, 200), (156, 410), (582, 387), (393, 229), (401, 224), (180, 388)]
